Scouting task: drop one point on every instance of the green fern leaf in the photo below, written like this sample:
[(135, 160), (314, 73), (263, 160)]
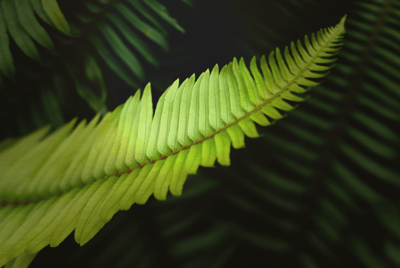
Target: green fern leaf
[(56, 16), (17, 17), (31, 25), (78, 179), (20, 36)]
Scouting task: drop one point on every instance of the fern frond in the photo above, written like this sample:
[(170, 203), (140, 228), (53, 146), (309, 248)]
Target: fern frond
[(18, 23), (78, 179), (347, 146), (18, 19)]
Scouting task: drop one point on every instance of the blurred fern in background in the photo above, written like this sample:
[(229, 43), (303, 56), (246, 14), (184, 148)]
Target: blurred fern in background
[(319, 189)]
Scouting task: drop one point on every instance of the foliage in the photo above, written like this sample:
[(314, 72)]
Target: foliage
[(300, 195)]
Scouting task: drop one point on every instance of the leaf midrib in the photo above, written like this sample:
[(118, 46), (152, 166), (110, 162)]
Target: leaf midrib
[(247, 114)]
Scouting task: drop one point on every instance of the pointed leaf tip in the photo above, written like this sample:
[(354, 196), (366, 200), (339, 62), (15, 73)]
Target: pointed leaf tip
[(147, 88), (53, 11), (343, 19)]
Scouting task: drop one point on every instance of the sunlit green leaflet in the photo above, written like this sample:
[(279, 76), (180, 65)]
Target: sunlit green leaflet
[(77, 179)]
